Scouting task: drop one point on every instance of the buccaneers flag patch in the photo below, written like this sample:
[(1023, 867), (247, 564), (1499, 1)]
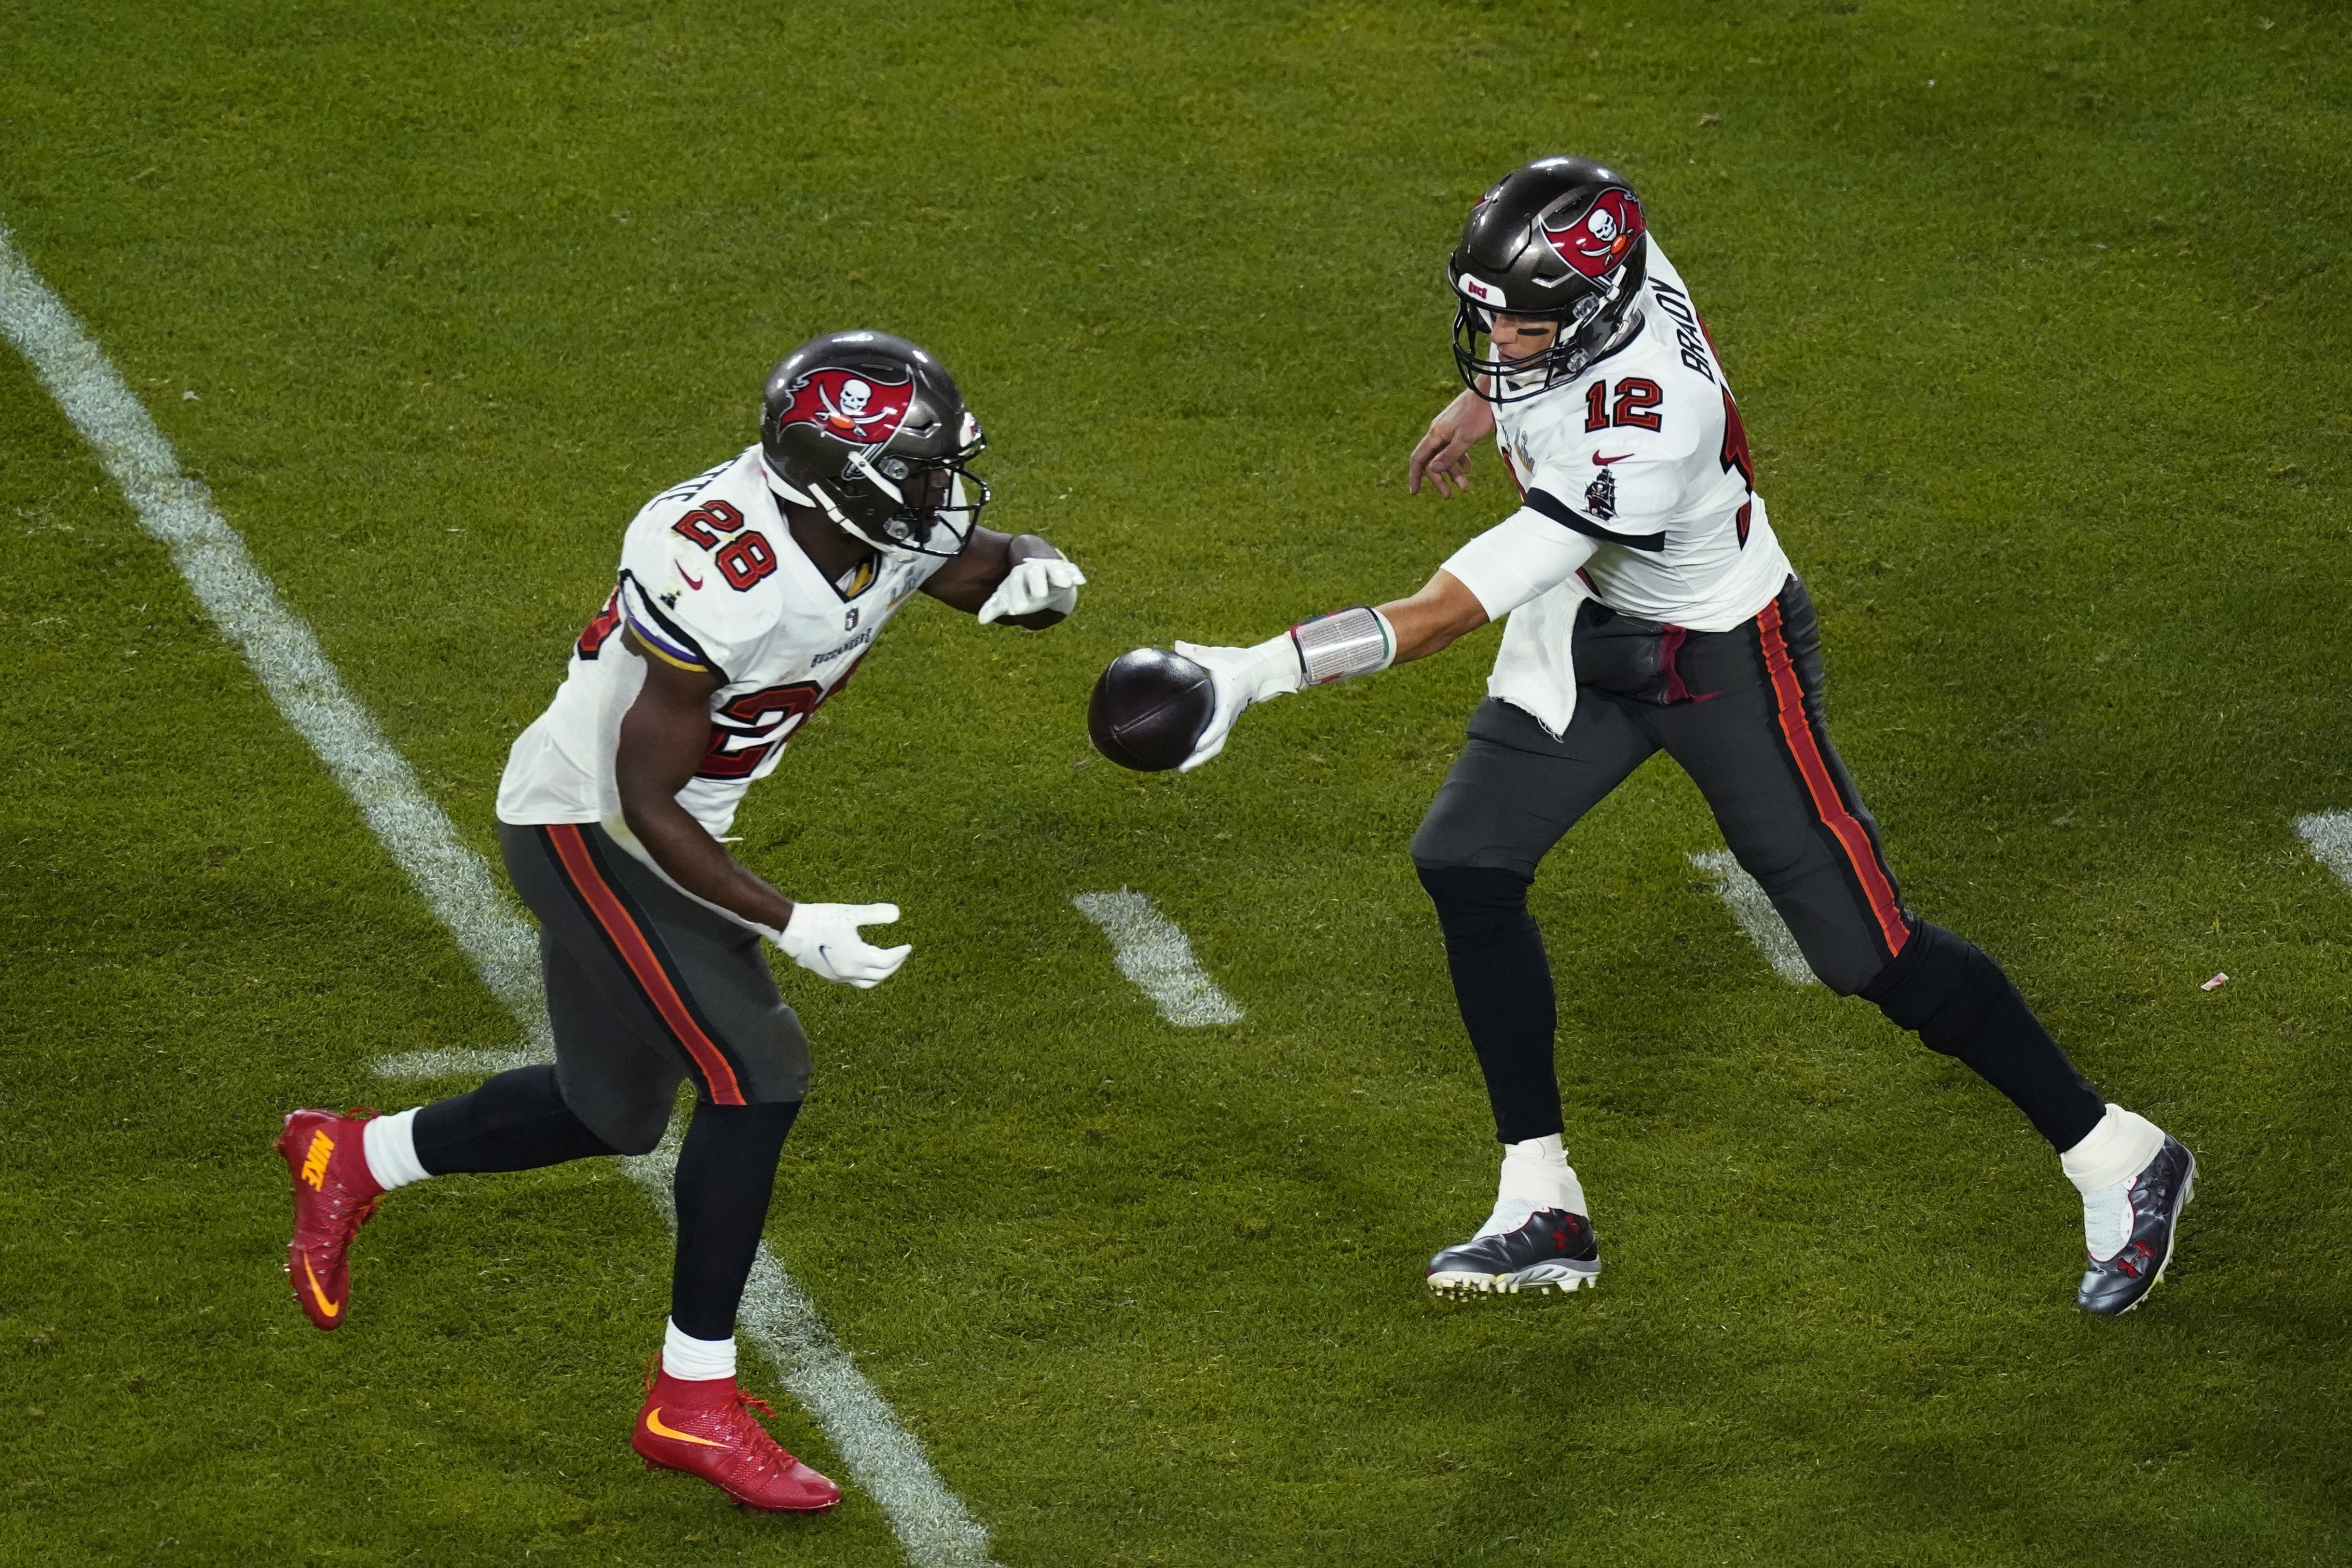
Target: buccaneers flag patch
[(849, 405), (1597, 241)]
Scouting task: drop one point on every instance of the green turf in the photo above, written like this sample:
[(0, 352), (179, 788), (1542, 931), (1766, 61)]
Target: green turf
[(2045, 367)]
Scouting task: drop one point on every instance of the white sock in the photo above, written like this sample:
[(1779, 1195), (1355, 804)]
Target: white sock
[(697, 1360), (391, 1145), (2101, 1167), (1536, 1174)]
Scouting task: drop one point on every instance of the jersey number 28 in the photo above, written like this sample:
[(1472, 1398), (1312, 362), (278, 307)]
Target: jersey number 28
[(743, 560), (744, 730)]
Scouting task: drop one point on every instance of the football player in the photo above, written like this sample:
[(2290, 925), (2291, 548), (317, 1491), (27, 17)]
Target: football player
[(1651, 609), (745, 598)]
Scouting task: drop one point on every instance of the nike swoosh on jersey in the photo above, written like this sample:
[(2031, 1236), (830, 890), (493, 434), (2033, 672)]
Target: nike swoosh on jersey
[(1604, 461), (691, 581), (654, 1424), (317, 1294)]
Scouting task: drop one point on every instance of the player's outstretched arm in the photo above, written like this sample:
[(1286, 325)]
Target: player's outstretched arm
[(1522, 557), (1430, 621), (1357, 642), (1020, 581), (1443, 455), (662, 738)]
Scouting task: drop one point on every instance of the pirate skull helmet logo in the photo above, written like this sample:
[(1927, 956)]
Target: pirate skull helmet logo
[(1596, 240), (856, 407)]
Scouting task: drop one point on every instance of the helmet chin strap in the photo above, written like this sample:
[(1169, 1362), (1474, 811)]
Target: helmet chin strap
[(1574, 363), (859, 461), (841, 521), (781, 488), (815, 496)]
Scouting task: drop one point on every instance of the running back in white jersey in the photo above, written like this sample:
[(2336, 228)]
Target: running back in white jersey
[(1646, 454), (710, 581)]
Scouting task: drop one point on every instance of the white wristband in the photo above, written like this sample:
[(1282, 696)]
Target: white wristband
[(1354, 641)]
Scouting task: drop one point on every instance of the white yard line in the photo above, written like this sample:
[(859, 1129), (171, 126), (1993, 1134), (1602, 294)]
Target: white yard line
[(1154, 953), (1756, 916), (458, 1064), (2329, 834), (882, 1458)]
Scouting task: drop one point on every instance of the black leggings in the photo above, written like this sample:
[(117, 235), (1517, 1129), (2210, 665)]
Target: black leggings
[(725, 1174)]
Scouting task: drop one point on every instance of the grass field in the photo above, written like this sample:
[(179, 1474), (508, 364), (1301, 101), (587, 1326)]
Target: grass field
[(2037, 318)]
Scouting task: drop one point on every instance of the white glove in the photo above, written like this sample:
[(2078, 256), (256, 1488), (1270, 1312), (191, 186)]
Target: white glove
[(1241, 676), (822, 938), (1040, 583)]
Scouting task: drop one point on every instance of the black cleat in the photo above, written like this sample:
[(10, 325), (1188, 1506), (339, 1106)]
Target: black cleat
[(2157, 1194), (1554, 1251)]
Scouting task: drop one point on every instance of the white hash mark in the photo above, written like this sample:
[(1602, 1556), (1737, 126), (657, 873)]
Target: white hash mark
[(2329, 834), (930, 1521), (1154, 953), (1754, 911)]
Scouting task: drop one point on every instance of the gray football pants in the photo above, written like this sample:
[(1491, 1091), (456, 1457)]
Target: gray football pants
[(646, 988), (1751, 737)]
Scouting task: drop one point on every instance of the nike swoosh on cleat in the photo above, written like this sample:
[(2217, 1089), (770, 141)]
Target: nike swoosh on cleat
[(654, 1424), (318, 1295), (1604, 461)]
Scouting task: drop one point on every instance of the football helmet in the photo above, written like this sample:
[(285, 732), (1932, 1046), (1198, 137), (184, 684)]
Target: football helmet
[(869, 429), (1562, 239)]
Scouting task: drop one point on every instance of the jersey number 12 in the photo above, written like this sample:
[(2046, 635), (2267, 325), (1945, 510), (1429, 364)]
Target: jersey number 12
[(1637, 409)]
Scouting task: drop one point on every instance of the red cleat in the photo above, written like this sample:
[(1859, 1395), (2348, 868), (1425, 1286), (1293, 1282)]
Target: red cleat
[(707, 1428), (334, 1192)]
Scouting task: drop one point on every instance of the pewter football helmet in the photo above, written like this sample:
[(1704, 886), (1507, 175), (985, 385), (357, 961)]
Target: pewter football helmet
[(870, 429)]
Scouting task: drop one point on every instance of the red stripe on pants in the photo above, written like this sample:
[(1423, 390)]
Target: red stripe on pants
[(1788, 698), (637, 952)]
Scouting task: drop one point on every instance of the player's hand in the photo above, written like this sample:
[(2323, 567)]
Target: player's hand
[(1444, 455), (1241, 676), (822, 938), (1040, 583)]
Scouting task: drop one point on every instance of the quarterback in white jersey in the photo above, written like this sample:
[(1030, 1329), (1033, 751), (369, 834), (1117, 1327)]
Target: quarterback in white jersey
[(745, 598), (1651, 609)]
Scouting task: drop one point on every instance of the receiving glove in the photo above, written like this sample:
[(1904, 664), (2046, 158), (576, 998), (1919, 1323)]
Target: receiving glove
[(822, 938), (1040, 583), (1241, 676)]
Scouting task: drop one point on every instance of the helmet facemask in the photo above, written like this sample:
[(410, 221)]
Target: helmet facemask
[(1498, 380), (909, 505)]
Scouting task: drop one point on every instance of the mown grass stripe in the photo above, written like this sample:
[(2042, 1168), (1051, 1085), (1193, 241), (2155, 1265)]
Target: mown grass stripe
[(882, 1457)]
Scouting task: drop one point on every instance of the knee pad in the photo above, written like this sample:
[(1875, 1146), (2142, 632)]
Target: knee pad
[(641, 1135), (1476, 903), (633, 1131), (1938, 988)]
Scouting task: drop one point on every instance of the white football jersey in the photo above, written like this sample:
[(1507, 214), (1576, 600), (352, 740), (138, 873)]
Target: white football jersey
[(710, 581), (1637, 490), (1645, 453)]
